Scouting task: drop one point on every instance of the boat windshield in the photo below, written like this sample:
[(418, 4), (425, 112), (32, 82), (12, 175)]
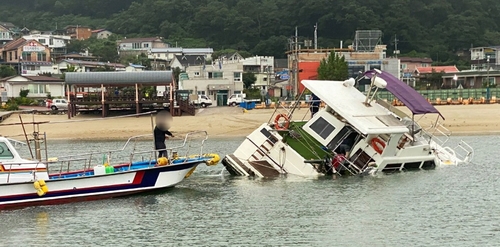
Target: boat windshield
[(5, 153)]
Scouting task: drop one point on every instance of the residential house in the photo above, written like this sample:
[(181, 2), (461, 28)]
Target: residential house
[(135, 67), (38, 86), (136, 46), (185, 61), (426, 78), (5, 35), (262, 67), (170, 52), (101, 33), (483, 57), (218, 82), (13, 29), (231, 57), (409, 65), (79, 32), (56, 43), (29, 57), (75, 56), (86, 66), (471, 79)]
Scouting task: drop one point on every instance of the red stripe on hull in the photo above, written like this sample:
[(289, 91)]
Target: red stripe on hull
[(138, 177)]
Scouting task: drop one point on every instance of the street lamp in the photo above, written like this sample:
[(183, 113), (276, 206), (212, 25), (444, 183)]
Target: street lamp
[(455, 78), (488, 78)]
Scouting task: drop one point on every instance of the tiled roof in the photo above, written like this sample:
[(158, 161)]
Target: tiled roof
[(98, 30), (43, 78), (190, 60), (14, 44), (36, 78), (444, 69)]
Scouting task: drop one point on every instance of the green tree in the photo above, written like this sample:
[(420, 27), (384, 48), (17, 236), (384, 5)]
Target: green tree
[(6, 71), (70, 68), (249, 79), (334, 67), (177, 71)]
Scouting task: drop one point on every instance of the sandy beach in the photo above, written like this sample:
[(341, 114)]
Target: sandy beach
[(225, 122)]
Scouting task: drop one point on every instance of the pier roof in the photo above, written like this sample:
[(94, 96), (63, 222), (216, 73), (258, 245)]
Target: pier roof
[(144, 78)]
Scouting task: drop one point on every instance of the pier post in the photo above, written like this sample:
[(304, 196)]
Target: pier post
[(137, 106), (103, 102), (69, 100)]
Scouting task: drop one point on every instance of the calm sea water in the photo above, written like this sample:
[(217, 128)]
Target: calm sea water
[(450, 206)]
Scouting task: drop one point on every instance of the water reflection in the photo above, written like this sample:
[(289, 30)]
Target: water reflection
[(449, 206)]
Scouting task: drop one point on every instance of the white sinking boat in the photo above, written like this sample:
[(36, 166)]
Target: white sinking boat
[(353, 134), (83, 177)]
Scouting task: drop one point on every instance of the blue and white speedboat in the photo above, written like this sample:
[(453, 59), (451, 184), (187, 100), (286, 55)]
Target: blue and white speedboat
[(25, 182)]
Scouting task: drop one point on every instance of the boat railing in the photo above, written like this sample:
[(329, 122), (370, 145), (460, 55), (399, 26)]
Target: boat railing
[(436, 132), (87, 158), (464, 151)]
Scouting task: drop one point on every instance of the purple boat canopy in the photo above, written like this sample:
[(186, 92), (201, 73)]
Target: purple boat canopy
[(411, 98)]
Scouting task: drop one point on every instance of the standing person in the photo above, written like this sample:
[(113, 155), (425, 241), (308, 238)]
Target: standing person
[(314, 104), (161, 132)]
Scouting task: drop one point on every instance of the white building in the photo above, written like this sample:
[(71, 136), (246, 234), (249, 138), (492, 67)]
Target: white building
[(483, 57), (170, 52), (262, 67), (38, 86), (56, 43), (136, 46), (135, 67), (217, 81)]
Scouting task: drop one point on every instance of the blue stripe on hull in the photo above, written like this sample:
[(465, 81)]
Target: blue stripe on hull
[(149, 179)]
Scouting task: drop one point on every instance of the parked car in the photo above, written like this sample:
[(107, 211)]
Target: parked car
[(57, 104), (236, 99), (202, 100)]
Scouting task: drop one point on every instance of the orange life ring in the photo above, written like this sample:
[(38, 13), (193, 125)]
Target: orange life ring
[(378, 145), (285, 125)]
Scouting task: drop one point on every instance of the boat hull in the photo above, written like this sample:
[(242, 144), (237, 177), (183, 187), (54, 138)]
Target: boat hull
[(86, 188)]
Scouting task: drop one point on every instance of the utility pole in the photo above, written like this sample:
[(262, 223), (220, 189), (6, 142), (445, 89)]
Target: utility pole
[(316, 38), (396, 51), (296, 67)]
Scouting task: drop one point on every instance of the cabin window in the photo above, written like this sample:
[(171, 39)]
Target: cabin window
[(322, 128), (5, 153)]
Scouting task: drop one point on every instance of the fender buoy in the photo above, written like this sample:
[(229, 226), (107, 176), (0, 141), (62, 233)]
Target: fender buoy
[(285, 125), (378, 145)]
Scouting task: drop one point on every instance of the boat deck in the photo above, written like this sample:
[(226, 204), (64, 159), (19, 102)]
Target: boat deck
[(121, 168), (303, 143)]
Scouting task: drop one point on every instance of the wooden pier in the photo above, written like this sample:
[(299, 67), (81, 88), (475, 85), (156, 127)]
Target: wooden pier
[(124, 90)]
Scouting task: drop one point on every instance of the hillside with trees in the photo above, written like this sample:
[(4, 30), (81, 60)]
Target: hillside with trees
[(433, 28)]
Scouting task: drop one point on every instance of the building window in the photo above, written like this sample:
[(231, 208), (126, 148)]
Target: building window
[(41, 41), (32, 67), (145, 45), (404, 66), (41, 56), (201, 92), (491, 81), (196, 74), (237, 91), (51, 41), (10, 55), (471, 82), (136, 45), (214, 75), (36, 88), (354, 70), (237, 76), (15, 55)]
